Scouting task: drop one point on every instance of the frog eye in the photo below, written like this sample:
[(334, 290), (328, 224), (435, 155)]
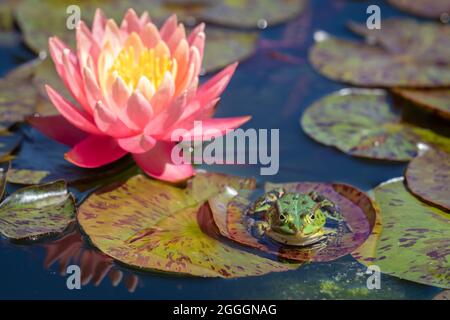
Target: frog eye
[(282, 217)]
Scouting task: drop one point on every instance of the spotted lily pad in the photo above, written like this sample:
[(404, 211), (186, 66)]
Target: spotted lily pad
[(26, 176), (372, 66), (425, 41), (357, 210), (423, 8), (33, 212), (428, 177), (362, 123), (17, 99), (414, 242), (155, 226), (436, 100), (252, 13)]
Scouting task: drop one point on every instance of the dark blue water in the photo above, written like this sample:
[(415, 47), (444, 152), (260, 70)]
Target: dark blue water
[(275, 86)]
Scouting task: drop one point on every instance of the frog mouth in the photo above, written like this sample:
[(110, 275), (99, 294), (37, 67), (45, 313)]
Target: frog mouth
[(298, 239)]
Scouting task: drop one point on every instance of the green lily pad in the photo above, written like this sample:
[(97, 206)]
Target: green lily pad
[(362, 123), (8, 143), (436, 100), (372, 66), (252, 13), (423, 8), (224, 46), (425, 41), (356, 208), (7, 14), (34, 212), (151, 225), (26, 176), (428, 177), (17, 99), (413, 243)]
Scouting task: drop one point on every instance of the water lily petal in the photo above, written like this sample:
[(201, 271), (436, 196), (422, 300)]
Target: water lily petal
[(137, 144), (71, 113), (150, 35), (216, 85), (138, 111), (58, 128), (98, 25), (158, 163), (108, 122), (95, 151), (168, 27), (215, 127)]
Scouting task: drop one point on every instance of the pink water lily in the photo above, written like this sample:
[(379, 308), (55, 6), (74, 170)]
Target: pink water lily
[(133, 84)]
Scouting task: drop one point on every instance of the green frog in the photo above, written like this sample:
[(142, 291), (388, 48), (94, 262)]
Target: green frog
[(295, 219)]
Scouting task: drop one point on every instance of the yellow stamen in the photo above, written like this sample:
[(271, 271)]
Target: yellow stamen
[(131, 67)]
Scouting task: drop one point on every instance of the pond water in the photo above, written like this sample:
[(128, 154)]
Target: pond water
[(274, 86)]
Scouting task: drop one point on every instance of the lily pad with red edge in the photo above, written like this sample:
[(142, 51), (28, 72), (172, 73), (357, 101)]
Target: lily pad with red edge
[(38, 211), (428, 177), (356, 208), (423, 8), (151, 225), (436, 100), (413, 243), (372, 66), (251, 13), (363, 123), (39, 153), (423, 41)]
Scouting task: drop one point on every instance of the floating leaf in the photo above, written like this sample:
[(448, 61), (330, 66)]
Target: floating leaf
[(17, 99), (227, 46), (436, 100), (6, 14), (26, 176), (428, 177), (39, 153), (423, 8), (371, 66), (155, 226), (252, 13), (362, 123), (4, 168), (414, 242), (356, 208), (424, 41), (37, 211), (444, 295)]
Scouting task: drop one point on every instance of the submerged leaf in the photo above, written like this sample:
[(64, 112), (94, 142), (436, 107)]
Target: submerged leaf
[(423, 8), (155, 226), (252, 13), (362, 123), (227, 46), (356, 208), (34, 212), (428, 177), (372, 66), (25, 176), (436, 100), (413, 243)]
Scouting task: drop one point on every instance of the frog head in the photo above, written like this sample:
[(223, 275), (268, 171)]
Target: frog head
[(298, 215)]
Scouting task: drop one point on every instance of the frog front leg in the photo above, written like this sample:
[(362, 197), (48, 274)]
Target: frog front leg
[(258, 228)]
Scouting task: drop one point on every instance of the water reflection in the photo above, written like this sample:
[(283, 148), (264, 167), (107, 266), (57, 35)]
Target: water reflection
[(95, 267)]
